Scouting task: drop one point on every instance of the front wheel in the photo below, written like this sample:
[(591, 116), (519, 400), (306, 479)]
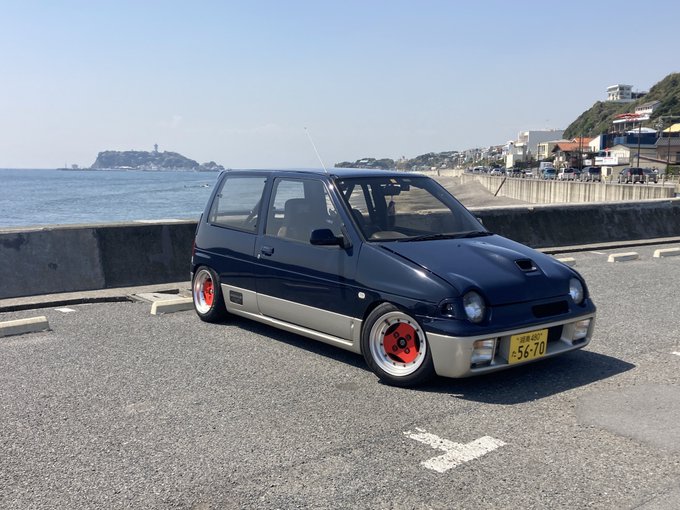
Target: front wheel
[(207, 295), (395, 347)]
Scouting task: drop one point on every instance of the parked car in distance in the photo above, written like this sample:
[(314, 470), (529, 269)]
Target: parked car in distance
[(591, 174), (497, 171), (385, 264), (567, 174), (631, 175), (650, 175), (515, 172), (549, 173)]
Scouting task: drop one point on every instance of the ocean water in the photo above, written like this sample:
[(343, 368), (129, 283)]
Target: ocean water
[(51, 197)]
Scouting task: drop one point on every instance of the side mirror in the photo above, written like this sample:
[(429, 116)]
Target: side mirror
[(325, 237)]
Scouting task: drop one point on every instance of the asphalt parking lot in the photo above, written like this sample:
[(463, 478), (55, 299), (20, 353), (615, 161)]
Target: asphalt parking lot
[(116, 408)]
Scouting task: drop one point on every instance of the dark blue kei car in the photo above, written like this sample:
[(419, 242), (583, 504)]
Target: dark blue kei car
[(385, 264)]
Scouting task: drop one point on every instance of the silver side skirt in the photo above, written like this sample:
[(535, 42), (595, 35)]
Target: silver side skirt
[(249, 309)]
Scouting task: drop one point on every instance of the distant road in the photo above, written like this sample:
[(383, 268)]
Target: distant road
[(473, 194)]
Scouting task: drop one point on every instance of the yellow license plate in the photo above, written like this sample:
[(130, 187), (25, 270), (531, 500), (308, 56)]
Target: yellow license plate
[(528, 346)]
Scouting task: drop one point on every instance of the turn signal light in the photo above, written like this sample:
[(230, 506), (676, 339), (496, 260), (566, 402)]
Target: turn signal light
[(482, 352), (580, 330)]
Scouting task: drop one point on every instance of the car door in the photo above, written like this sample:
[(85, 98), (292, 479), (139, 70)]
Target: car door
[(300, 283), (226, 240)]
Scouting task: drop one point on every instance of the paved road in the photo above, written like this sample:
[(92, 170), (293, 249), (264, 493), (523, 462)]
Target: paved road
[(115, 408)]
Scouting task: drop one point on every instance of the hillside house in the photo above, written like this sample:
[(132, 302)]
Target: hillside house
[(571, 153)]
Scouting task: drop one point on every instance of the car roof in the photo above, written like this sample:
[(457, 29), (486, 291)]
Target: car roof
[(334, 172)]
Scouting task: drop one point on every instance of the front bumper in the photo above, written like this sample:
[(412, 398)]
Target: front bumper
[(452, 355)]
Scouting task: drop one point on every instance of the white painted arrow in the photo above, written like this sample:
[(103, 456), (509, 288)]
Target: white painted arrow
[(455, 453)]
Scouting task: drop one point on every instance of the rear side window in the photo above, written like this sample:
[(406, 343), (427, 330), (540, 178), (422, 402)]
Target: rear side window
[(300, 206), (237, 203)]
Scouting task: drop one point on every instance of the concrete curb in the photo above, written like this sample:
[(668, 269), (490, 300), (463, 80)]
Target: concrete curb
[(21, 326), (172, 305), (556, 250), (115, 295), (623, 257), (666, 252)]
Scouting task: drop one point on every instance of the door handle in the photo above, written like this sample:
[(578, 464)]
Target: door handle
[(267, 250)]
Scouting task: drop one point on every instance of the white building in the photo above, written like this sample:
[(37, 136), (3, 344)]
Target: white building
[(620, 93), (647, 109), (528, 140), (595, 144)]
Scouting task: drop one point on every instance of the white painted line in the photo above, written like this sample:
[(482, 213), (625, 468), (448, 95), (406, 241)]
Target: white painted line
[(21, 326), (171, 305), (570, 261), (65, 310), (623, 257), (455, 454), (666, 252), (598, 252), (676, 353)]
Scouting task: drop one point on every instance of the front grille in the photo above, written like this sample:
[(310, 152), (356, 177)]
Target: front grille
[(550, 309)]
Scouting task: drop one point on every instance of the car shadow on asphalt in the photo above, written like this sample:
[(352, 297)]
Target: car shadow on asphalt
[(301, 342), (513, 386), (533, 381)]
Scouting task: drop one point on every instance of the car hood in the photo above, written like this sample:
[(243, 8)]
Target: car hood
[(489, 264)]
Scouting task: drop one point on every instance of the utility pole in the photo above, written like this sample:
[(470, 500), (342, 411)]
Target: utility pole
[(639, 135), (668, 153)]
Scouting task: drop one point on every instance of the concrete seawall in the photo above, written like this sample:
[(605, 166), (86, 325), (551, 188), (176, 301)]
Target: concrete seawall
[(86, 257), (538, 191), (541, 226)]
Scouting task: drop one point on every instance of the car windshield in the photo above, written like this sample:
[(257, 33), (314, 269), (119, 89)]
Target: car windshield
[(409, 208)]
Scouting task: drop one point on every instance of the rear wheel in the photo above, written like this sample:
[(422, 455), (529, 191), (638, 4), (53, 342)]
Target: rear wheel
[(395, 347), (207, 295)]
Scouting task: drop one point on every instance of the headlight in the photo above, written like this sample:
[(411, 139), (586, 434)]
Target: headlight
[(474, 307), (576, 290)]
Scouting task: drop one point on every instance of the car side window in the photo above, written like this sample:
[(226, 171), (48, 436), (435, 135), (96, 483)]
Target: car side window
[(237, 203), (298, 207)]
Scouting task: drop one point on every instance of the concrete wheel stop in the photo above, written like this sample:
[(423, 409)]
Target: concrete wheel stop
[(22, 326)]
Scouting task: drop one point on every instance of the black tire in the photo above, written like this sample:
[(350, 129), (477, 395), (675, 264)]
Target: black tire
[(409, 360), (207, 295)]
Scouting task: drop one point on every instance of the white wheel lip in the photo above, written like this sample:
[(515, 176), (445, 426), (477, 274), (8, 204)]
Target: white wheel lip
[(378, 354), (201, 277)]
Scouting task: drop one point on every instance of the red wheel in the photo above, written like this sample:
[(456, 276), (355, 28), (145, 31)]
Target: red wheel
[(208, 292), (395, 347), (208, 301)]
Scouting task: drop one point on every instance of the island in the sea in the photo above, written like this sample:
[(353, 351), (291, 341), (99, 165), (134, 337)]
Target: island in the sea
[(151, 161)]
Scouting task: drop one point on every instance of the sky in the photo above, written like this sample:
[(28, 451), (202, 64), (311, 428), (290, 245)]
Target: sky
[(238, 82)]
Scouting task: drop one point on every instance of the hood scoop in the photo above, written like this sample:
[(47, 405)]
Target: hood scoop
[(526, 265)]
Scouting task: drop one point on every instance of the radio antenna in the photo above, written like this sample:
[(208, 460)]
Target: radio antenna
[(317, 152)]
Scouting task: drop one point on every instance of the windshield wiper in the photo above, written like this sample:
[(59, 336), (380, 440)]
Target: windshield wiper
[(459, 235), (476, 233)]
